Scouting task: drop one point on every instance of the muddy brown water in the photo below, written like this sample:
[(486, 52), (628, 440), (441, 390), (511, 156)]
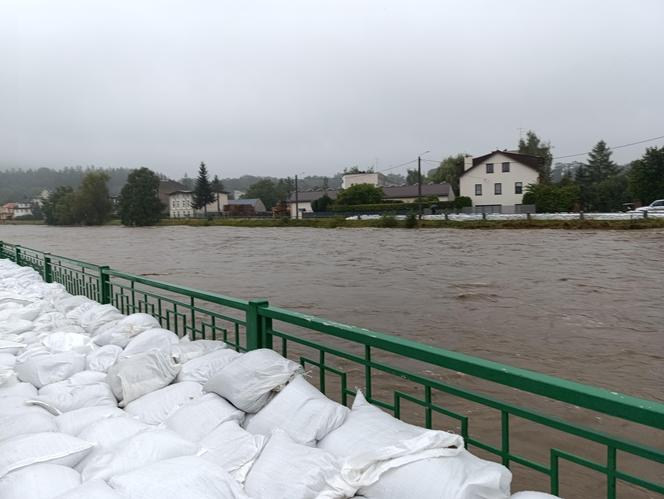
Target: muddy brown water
[(583, 305)]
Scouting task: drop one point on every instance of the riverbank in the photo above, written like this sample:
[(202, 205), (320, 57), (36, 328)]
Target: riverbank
[(333, 223), (388, 222)]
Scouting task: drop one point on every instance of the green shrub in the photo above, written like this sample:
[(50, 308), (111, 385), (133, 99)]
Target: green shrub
[(387, 221), (411, 221)]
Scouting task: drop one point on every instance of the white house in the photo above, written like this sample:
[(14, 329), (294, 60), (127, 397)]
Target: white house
[(375, 179), (22, 210), (499, 178), (180, 204)]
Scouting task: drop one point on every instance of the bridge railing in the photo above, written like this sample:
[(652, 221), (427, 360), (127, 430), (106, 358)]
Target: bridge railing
[(540, 425)]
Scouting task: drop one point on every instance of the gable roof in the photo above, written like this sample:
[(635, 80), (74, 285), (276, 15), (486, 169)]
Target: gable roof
[(534, 162)]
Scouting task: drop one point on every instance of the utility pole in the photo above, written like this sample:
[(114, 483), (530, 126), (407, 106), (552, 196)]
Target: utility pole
[(419, 180), (297, 205), (419, 184)]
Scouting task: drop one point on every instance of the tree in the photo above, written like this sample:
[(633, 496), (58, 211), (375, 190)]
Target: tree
[(322, 203), (54, 200), (535, 147), (203, 194), (187, 182), (93, 205), (268, 191), (139, 199), (412, 178), (360, 194), (217, 187), (450, 171), (646, 176), (552, 198), (596, 171)]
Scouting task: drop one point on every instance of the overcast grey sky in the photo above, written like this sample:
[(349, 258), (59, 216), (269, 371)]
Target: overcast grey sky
[(313, 86)]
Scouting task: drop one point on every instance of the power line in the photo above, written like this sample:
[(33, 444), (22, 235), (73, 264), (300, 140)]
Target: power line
[(612, 148), (397, 166)]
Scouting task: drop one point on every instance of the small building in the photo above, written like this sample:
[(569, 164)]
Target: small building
[(304, 200), (403, 193), (22, 210), (244, 207), (371, 178), (7, 211), (166, 187), (499, 178), (181, 205)]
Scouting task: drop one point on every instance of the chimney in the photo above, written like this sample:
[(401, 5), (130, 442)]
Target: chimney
[(467, 163)]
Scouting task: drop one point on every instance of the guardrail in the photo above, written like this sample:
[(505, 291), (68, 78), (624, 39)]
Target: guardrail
[(395, 372)]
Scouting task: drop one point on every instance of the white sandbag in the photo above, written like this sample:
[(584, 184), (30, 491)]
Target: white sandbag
[(66, 396), (42, 370), (189, 476), (527, 494), (202, 368), (188, 350), (21, 424), (107, 433), (463, 476), (200, 416), (24, 390), (288, 470), (152, 339), (92, 489), (233, 448), (7, 360), (97, 316), (139, 450), (71, 302), (301, 411), (44, 447), (39, 481), (29, 312), (14, 326), (373, 442), (125, 329), (135, 376), (73, 422), (248, 381), (10, 347), (7, 376), (102, 358), (157, 406), (67, 342), (86, 377)]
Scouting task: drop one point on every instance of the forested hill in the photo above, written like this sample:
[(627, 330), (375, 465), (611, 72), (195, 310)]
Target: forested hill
[(18, 185)]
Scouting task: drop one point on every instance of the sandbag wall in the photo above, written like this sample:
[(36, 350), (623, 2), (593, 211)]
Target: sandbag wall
[(96, 404)]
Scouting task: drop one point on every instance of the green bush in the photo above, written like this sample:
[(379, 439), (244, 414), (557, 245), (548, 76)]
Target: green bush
[(387, 221), (411, 221)]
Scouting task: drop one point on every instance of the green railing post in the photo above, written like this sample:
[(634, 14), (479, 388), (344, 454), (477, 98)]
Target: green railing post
[(255, 325), (17, 255), (48, 271), (104, 285), (2, 249)]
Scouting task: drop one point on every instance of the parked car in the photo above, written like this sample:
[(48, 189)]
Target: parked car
[(656, 206)]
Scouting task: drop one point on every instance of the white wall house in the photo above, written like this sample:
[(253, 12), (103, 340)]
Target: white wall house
[(180, 204), (375, 179), (22, 210), (499, 178)]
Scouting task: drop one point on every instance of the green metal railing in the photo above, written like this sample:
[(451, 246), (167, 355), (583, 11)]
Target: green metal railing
[(405, 377)]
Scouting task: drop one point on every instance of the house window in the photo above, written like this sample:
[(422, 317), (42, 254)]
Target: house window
[(489, 167), (478, 189), (518, 187), (506, 167), (497, 189)]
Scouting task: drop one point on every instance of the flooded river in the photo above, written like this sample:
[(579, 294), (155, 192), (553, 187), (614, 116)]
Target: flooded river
[(582, 305)]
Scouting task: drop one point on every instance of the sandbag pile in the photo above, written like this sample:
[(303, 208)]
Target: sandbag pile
[(96, 404)]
